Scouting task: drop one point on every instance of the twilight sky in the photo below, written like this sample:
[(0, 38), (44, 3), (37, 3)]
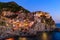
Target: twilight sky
[(50, 6)]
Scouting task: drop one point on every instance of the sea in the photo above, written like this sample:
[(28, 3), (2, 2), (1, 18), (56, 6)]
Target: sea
[(41, 36), (58, 25)]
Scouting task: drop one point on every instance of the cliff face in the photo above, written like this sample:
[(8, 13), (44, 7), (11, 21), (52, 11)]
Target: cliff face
[(15, 20), (43, 21)]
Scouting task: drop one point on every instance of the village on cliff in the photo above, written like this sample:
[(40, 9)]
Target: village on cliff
[(16, 22)]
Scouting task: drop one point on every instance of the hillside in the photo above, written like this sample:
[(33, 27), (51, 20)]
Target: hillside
[(11, 6), (16, 20)]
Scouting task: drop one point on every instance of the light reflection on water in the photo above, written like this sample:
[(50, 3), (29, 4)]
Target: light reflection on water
[(22, 38), (43, 36), (10, 39)]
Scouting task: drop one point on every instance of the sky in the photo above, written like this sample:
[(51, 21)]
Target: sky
[(50, 6)]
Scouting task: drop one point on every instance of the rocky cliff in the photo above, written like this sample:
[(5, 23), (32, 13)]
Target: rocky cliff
[(15, 20)]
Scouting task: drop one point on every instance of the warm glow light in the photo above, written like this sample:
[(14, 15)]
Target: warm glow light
[(4, 13), (38, 14), (20, 25), (14, 22), (25, 23), (10, 39), (31, 23), (7, 24), (22, 38), (44, 36)]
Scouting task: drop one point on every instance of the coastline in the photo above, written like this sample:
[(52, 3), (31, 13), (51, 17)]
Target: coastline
[(13, 36)]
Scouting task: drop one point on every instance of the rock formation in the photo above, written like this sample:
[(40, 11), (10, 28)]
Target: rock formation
[(15, 20)]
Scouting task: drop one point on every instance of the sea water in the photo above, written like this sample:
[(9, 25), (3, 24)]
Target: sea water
[(58, 25)]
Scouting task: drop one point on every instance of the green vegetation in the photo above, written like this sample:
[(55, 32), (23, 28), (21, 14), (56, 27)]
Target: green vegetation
[(2, 23), (12, 6)]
